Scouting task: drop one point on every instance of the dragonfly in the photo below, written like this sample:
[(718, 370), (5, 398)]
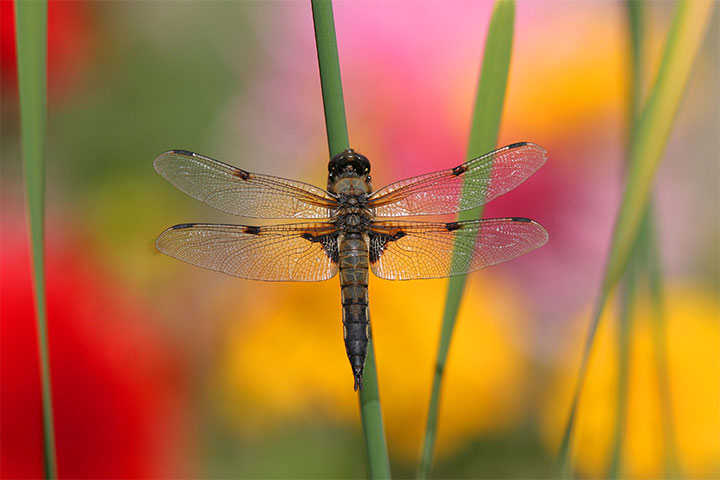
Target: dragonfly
[(352, 229)]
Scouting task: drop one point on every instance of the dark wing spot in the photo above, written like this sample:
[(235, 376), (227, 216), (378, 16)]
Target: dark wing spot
[(183, 152), (459, 170), (328, 242), (521, 219), (452, 226), (182, 226), (252, 230), (241, 173), (516, 145), (379, 242)]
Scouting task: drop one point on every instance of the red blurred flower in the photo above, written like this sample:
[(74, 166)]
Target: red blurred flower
[(116, 385)]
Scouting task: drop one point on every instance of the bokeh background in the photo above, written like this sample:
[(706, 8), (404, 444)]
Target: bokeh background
[(160, 369)]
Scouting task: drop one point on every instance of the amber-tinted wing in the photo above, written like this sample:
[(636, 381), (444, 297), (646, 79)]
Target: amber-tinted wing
[(242, 193), (485, 178), (411, 250), (301, 252)]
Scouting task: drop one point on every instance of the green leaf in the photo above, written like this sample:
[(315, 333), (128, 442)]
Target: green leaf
[(31, 24), (649, 138), (487, 113), (378, 463)]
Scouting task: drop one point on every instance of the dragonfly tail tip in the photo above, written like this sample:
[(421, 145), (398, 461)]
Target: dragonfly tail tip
[(358, 382)]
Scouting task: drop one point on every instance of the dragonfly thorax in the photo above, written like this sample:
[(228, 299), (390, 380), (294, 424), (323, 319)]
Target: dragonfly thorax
[(349, 223), (352, 204)]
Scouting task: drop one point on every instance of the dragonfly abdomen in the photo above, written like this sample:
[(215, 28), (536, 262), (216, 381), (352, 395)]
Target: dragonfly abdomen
[(354, 273)]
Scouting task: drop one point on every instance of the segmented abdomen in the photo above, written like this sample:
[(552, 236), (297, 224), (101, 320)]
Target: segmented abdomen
[(354, 273)]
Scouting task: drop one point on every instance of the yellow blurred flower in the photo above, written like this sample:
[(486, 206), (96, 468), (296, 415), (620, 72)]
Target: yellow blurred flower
[(286, 359), (693, 349)]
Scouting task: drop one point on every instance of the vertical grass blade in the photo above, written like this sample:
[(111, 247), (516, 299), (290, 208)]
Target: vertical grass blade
[(635, 19), (489, 101), (330, 80), (31, 28), (649, 138), (624, 335), (378, 463), (655, 286), (652, 131), (644, 267), (636, 25), (625, 320)]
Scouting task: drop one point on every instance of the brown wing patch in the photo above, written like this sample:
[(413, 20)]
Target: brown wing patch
[(459, 170), (379, 239), (241, 173), (452, 226)]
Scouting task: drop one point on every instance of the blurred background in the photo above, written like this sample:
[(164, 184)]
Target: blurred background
[(161, 369)]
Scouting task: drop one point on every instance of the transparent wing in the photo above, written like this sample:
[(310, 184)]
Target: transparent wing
[(242, 193), (438, 193), (301, 252), (411, 250)]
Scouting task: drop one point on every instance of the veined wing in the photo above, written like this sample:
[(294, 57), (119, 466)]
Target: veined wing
[(300, 252), (242, 193), (485, 178), (411, 250)]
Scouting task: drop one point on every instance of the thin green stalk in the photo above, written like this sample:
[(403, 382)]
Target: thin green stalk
[(330, 80), (659, 339), (644, 268), (378, 463), (628, 300), (31, 25), (645, 259), (647, 144), (635, 19), (489, 102), (653, 129), (637, 60)]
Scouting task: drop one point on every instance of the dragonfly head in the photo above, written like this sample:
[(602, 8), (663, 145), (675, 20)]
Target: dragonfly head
[(348, 164)]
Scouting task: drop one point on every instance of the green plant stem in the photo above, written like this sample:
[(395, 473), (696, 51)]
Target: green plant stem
[(31, 24), (653, 129), (635, 19), (649, 138), (378, 463), (624, 335), (487, 113), (646, 249), (330, 80), (659, 339)]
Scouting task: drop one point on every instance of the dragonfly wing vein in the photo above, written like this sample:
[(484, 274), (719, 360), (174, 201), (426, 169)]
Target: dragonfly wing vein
[(415, 250), (301, 252)]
